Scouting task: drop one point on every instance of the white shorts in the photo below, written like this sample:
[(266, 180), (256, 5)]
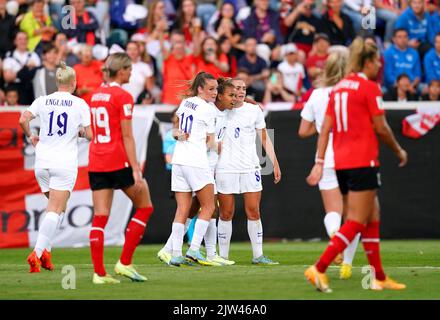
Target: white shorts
[(238, 183), (329, 180), (56, 179), (187, 179)]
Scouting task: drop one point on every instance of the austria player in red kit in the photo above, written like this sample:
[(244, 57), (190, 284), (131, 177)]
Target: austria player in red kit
[(113, 165), (356, 118)]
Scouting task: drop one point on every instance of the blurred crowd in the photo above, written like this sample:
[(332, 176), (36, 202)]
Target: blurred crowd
[(277, 47)]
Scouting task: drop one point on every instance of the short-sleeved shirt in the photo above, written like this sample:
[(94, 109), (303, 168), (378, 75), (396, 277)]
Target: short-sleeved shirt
[(253, 68), (110, 104), (292, 75), (353, 103), (139, 74), (239, 149), (17, 60), (61, 114), (196, 117), (314, 111)]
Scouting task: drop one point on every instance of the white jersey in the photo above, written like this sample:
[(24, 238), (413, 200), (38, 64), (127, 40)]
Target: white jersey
[(220, 129), (239, 149), (314, 111), (196, 117), (61, 114)]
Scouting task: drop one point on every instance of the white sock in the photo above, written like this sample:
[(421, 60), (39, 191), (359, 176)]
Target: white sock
[(332, 222), (350, 251), (255, 230), (224, 230), (177, 238), (46, 233), (60, 221), (169, 245), (211, 239), (199, 232)]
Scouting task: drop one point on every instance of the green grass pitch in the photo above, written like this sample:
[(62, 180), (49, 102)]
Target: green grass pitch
[(415, 263)]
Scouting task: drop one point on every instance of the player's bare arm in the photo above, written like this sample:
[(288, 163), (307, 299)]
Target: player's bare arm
[(306, 129), (386, 135), (270, 151), (130, 148), (25, 118)]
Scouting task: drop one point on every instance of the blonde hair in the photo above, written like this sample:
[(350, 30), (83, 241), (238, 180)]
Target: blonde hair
[(360, 52), (334, 69), (65, 75), (114, 63)]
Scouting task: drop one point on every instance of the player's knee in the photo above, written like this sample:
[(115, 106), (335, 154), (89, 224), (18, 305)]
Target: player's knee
[(253, 213), (226, 214)]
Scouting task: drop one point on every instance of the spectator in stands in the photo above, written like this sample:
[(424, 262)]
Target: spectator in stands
[(7, 30), (85, 24), (400, 58), (388, 11), (292, 72), (223, 24), (226, 49), (434, 25), (44, 82), (64, 52), (205, 10), (357, 10), (88, 73), (19, 68), (38, 26), (402, 91), (318, 56), (415, 21), (256, 66), (433, 91), (188, 22), (337, 25), (210, 59), (276, 90), (177, 69), (431, 62), (141, 78), (11, 96), (303, 25), (263, 24)]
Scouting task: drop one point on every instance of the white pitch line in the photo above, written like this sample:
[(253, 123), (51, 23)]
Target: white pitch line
[(239, 265)]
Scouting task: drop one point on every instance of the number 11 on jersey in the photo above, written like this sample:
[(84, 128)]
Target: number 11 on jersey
[(341, 111)]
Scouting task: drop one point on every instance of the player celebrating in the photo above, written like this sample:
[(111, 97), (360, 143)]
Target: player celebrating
[(312, 118), (226, 100), (238, 172), (113, 165), (190, 172), (62, 117), (355, 115)]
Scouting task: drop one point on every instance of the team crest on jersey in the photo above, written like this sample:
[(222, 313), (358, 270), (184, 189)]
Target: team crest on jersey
[(409, 57), (127, 109)]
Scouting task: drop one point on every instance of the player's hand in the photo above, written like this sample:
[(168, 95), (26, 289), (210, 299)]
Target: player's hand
[(182, 136), (277, 173), (81, 132), (315, 175), (137, 176), (34, 140), (403, 157)]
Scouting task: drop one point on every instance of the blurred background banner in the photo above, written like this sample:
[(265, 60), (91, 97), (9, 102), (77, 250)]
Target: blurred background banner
[(410, 196)]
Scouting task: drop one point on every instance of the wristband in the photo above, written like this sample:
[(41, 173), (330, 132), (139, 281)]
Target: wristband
[(319, 161)]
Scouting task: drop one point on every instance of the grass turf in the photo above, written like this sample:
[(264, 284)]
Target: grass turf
[(414, 263)]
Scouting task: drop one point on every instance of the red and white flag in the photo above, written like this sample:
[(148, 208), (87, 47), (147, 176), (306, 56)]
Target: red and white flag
[(417, 125)]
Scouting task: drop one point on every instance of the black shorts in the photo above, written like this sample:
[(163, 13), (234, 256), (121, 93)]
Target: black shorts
[(359, 179), (118, 179)]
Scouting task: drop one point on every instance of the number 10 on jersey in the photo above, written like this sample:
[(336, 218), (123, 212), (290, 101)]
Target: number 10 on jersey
[(186, 123)]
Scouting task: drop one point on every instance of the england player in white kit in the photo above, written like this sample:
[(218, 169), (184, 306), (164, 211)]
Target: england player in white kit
[(312, 118), (63, 117), (238, 172), (190, 171), (226, 100)]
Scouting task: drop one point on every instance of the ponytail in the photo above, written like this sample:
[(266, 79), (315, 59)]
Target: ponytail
[(65, 75), (360, 52)]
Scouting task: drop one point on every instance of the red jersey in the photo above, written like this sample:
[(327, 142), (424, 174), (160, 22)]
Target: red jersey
[(353, 103), (109, 105)]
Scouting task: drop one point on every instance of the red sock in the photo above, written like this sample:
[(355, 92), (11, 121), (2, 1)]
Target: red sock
[(370, 240), (97, 243), (338, 243), (135, 232)]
